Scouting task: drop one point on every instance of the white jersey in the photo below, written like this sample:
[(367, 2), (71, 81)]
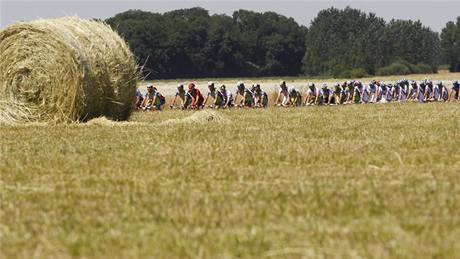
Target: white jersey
[(372, 91), (358, 88), (285, 91), (389, 95), (428, 91), (382, 94), (412, 92), (366, 94), (403, 93), (228, 96), (313, 92), (437, 92), (285, 94), (373, 88), (421, 92)]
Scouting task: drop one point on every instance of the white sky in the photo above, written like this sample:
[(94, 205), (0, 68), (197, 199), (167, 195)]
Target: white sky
[(434, 14)]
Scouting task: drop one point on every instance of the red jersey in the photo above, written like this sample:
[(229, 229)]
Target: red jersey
[(196, 94)]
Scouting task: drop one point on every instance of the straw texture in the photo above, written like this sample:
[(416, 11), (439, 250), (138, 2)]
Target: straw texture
[(65, 70)]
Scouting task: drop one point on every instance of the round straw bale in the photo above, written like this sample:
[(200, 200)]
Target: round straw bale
[(65, 70)]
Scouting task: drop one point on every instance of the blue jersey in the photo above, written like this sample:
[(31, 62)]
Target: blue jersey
[(372, 88), (212, 94), (325, 92), (183, 95)]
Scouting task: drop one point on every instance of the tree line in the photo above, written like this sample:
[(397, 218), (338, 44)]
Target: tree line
[(450, 45), (190, 43)]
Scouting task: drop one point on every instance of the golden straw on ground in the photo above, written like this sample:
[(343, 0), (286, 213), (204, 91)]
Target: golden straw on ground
[(64, 70)]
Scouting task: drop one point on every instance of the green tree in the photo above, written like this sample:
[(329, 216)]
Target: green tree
[(271, 43), (223, 48), (145, 35), (341, 40), (412, 42), (450, 45), (191, 43)]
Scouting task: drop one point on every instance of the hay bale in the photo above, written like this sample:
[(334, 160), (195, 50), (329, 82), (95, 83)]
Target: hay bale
[(63, 70)]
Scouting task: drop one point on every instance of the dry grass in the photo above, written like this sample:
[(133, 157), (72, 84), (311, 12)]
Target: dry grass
[(64, 69), (369, 181), (199, 117)]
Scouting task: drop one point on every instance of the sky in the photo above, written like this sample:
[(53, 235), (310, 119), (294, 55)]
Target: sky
[(434, 14)]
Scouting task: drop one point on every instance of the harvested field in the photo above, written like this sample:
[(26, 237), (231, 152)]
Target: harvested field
[(367, 181)]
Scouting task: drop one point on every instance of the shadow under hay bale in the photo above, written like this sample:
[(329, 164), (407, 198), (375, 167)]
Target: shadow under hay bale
[(65, 70)]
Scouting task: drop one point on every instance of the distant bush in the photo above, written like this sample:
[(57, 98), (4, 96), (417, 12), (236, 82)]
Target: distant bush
[(425, 69), (340, 71), (402, 67), (443, 67), (358, 73), (393, 69), (343, 74)]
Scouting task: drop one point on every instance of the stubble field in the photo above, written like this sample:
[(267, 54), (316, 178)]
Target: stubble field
[(366, 181)]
